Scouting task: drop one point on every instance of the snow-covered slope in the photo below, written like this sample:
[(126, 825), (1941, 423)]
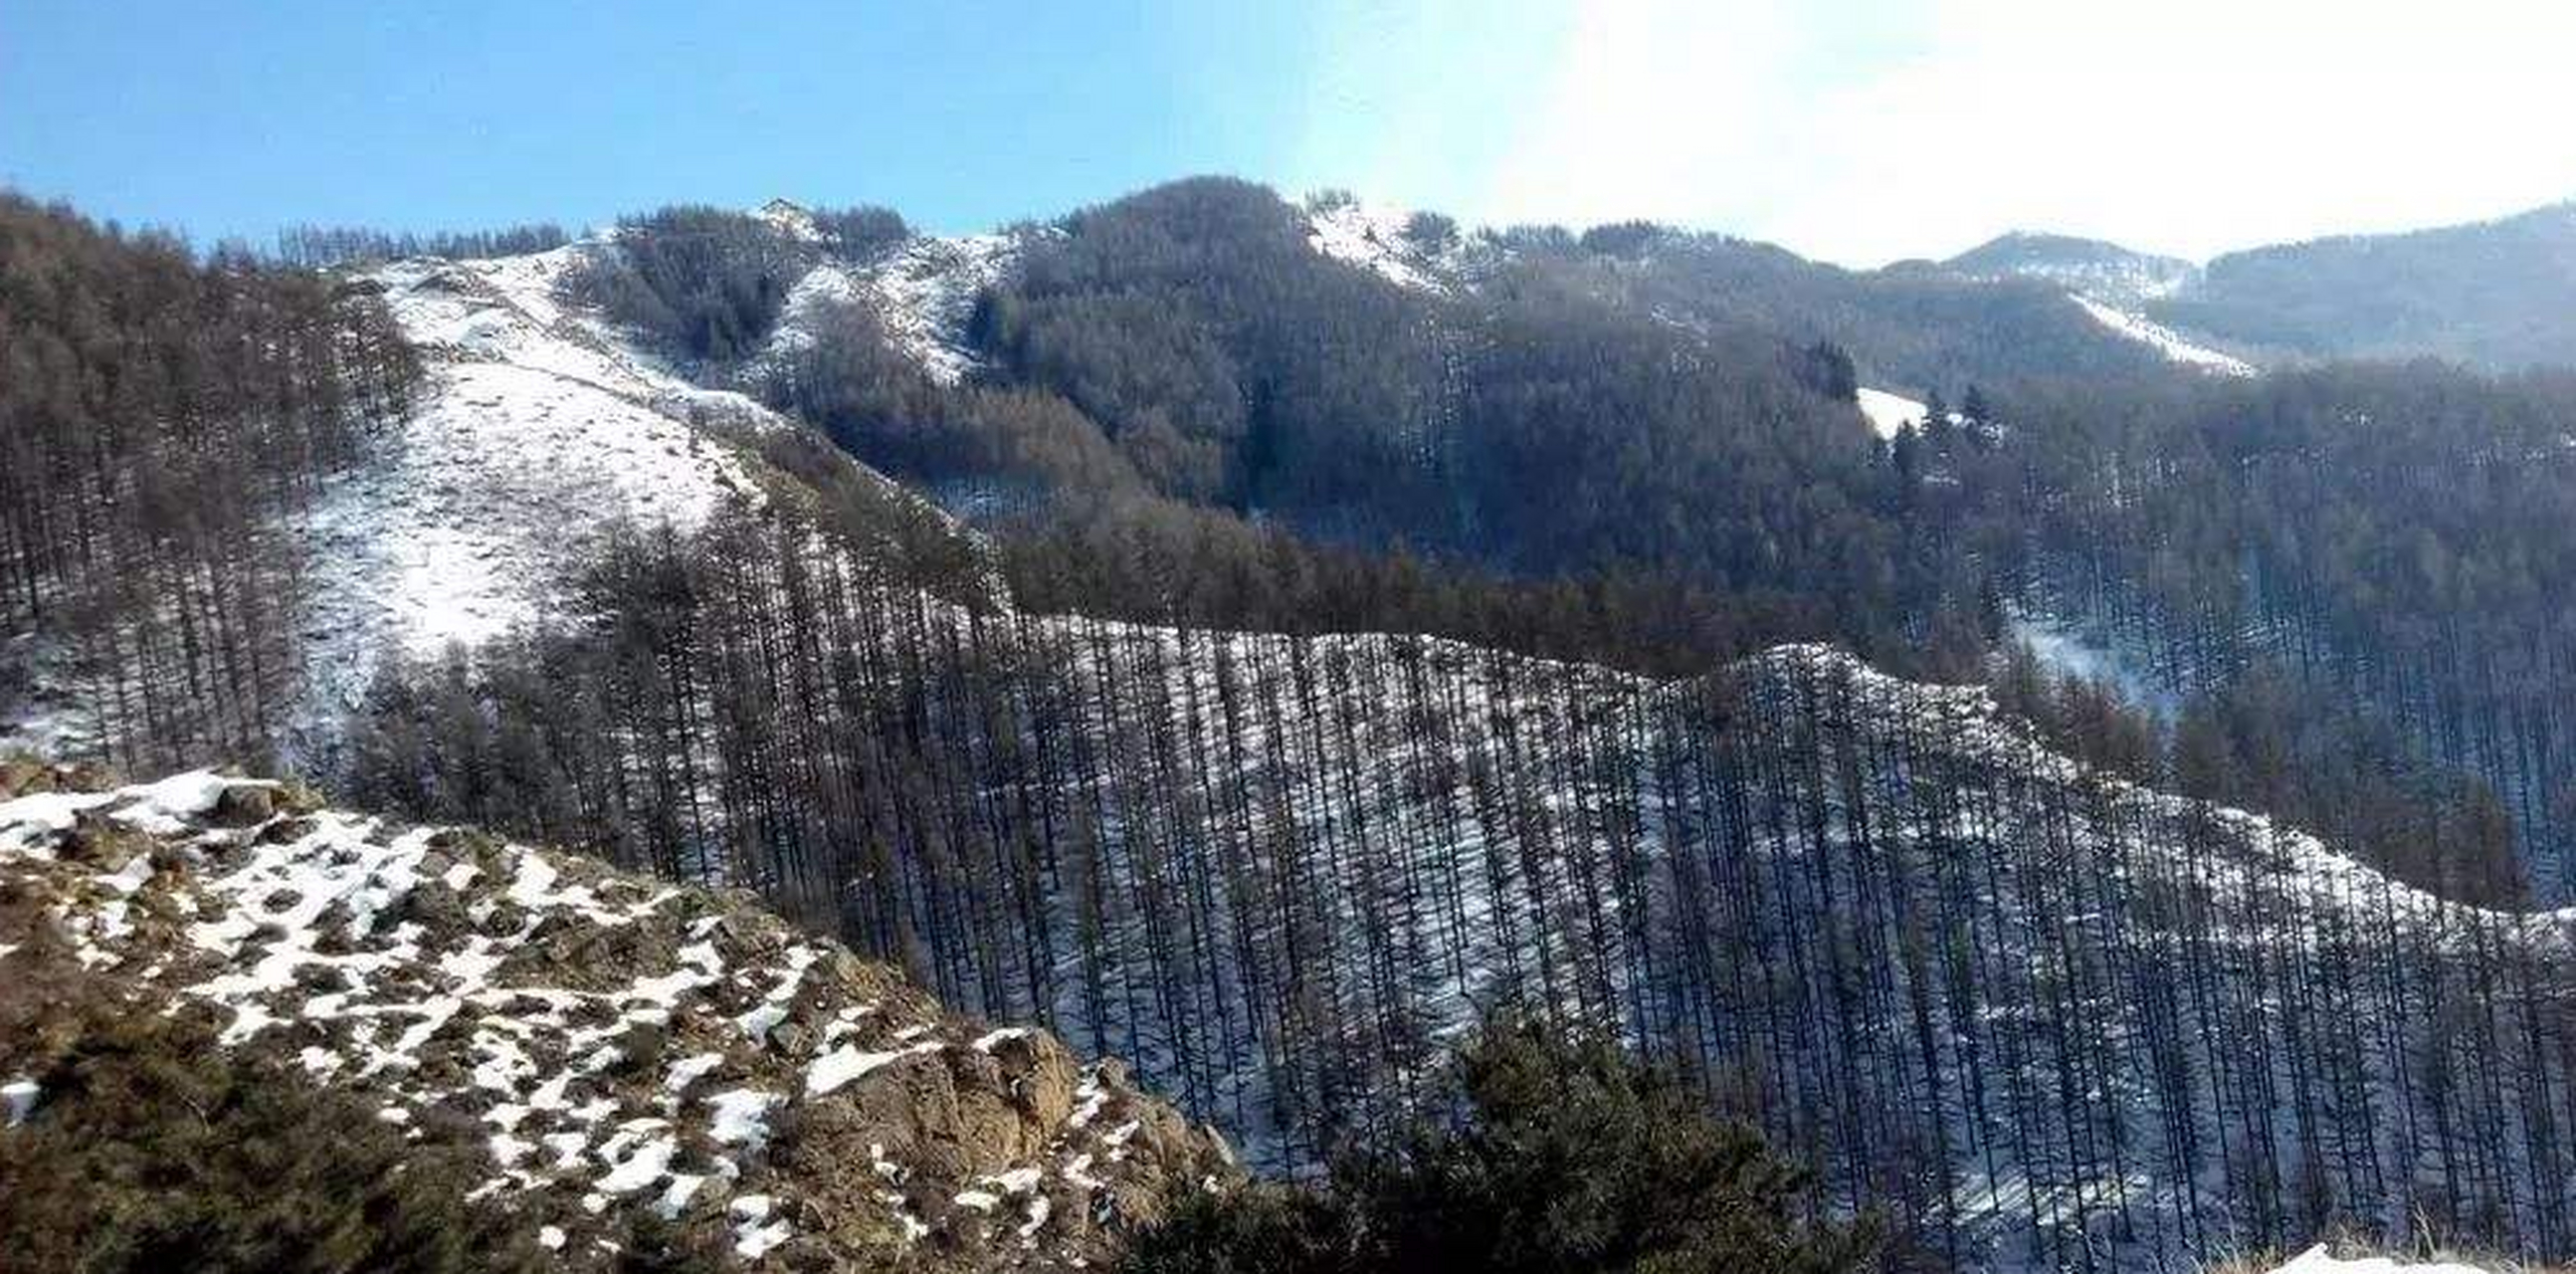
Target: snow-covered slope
[(614, 1044), (2321, 1260), (1888, 412), (2114, 285), (2172, 344), (1375, 239), (535, 434), (921, 290), (540, 431), (924, 292), (1426, 254)]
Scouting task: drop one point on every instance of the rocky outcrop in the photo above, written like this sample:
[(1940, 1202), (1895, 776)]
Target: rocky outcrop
[(616, 1044)]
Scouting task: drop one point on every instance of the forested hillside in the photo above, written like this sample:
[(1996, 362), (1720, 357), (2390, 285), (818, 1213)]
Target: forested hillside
[(1284, 635), (2492, 293), (2105, 271), (1907, 327), (1526, 451), (2045, 1016), (162, 417), (2388, 542), (1531, 426)]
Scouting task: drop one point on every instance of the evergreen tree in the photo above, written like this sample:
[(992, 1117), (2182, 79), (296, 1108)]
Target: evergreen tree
[(1559, 1155)]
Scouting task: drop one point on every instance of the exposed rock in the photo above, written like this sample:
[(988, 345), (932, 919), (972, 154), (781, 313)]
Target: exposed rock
[(244, 806), (615, 1043)]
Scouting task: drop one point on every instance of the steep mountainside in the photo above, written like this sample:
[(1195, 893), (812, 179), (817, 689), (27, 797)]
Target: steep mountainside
[(1906, 327), (2042, 1016), (534, 435), (537, 437), (2490, 293), (2031, 1010), (544, 428), (165, 422), (1279, 872), (615, 1046)]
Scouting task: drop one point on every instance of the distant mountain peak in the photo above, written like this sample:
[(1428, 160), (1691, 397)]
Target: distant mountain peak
[(2093, 267)]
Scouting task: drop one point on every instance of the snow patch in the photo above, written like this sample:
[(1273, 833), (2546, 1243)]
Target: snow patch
[(29, 824), (754, 1233), (991, 1040), (18, 1098), (845, 1064), (2173, 345), (742, 1117), (2317, 1260), (1375, 239), (1888, 412)]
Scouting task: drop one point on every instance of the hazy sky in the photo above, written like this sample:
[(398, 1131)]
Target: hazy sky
[(1859, 132)]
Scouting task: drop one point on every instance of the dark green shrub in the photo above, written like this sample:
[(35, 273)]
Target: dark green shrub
[(1561, 1154), (151, 1150)]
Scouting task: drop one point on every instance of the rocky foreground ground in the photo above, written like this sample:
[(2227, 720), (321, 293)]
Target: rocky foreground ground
[(615, 1044)]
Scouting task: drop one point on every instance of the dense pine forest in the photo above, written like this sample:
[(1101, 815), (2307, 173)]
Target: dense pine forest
[(1549, 464), (1266, 667), (2045, 1016), (2389, 542), (2491, 293), (166, 416)]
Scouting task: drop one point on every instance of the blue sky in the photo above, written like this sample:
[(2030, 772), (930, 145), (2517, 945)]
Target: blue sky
[(1858, 131)]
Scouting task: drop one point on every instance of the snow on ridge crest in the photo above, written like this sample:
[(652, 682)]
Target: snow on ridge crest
[(1971, 722), (1374, 238), (921, 290), (792, 219)]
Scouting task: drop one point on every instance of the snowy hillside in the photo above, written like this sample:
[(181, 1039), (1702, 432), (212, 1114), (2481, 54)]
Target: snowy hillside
[(2173, 345), (1378, 837), (1403, 247), (1888, 412), (1498, 830), (537, 433), (614, 1044), (542, 430), (1280, 875), (922, 290), (2113, 285)]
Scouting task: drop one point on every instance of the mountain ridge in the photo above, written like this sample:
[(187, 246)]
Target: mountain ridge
[(1278, 870)]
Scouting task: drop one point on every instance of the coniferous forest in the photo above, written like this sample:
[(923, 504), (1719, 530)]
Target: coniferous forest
[(167, 418), (1281, 674)]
